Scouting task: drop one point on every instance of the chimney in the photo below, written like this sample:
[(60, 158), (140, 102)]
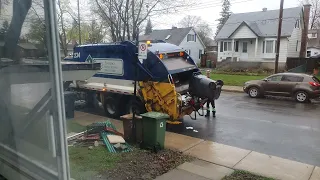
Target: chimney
[(264, 9), (304, 36)]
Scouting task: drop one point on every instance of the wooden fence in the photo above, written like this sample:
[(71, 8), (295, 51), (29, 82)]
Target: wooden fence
[(311, 63)]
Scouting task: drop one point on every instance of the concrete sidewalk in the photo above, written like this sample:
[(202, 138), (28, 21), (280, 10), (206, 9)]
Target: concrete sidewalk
[(217, 160)]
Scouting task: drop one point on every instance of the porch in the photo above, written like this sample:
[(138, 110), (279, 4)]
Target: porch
[(253, 49)]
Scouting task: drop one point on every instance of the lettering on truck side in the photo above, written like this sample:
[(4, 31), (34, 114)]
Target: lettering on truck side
[(111, 66)]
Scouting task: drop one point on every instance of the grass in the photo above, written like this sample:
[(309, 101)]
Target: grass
[(86, 164), (244, 175), (235, 80), (72, 126)]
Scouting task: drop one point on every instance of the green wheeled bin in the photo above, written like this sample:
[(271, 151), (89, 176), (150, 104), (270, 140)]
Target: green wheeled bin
[(208, 63), (154, 130)]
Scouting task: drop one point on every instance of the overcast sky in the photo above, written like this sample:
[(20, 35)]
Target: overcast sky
[(209, 10)]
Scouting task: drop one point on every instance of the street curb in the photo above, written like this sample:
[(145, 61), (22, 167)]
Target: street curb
[(230, 90)]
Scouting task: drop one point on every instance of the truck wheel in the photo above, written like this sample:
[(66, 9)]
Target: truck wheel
[(111, 107), (140, 108)]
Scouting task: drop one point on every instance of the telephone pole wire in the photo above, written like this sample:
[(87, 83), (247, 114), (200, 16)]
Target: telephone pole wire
[(279, 37)]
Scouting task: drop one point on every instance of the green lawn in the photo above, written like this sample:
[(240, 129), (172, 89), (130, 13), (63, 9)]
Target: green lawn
[(243, 175), (235, 80), (72, 126), (87, 164)]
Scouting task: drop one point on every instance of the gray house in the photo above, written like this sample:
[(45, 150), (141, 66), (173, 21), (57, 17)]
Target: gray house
[(185, 38), (252, 36)]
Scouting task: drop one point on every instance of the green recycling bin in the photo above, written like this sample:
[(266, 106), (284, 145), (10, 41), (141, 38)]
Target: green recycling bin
[(208, 64), (154, 130)]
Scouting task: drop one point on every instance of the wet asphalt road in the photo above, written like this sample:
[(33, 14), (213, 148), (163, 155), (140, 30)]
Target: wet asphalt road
[(276, 127)]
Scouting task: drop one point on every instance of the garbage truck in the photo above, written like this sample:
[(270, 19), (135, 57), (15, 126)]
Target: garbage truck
[(167, 81)]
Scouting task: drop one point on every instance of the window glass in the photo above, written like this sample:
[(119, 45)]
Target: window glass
[(245, 47), (191, 37), (32, 138), (316, 79), (269, 47), (200, 53), (308, 53), (227, 46), (292, 78), (236, 46), (275, 78)]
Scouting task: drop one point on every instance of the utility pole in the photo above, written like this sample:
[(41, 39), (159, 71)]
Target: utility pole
[(134, 107), (79, 22), (279, 36)]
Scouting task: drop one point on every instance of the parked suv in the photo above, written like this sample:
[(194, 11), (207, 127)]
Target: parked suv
[(302, 87)]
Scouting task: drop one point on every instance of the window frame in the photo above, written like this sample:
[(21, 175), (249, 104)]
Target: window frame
[(189, 39), (227, 46), (274, 46)]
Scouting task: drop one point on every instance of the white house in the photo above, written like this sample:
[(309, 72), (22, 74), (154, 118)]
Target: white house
[(313, 48), (185, 38), (252, 36)]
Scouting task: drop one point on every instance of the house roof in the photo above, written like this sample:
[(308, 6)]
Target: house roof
[(176, 35), (28, 46), (262, 23)]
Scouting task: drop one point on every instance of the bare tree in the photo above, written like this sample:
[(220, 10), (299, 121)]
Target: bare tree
[(190, 21), (202, 28), (124, 17), (314, 13)]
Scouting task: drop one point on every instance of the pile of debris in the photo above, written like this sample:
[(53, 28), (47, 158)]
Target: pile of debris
[(104, 133)]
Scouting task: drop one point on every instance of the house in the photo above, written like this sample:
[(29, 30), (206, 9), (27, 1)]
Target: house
[(70, 47), (27, 50), (313, 48), (24, 50), (212, 45), (252, 36), (185, 38)]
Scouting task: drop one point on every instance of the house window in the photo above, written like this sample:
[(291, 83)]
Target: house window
[(297, 25), (227, 46), (221, 46), (308, 53), (269, 46), (200, 53), (297, 46), (245, 47), (236, 46), (191, 37), (313, 35)]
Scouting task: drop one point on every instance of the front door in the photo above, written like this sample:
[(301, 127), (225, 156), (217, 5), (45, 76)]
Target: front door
[(271, 84), (244, 51)]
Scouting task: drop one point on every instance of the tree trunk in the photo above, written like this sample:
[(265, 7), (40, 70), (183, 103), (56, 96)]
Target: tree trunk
[(20, 11)]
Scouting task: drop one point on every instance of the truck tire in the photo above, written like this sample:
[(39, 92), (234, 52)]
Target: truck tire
[(140, 108), (111, 107)]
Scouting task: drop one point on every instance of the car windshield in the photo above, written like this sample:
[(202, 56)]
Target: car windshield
[(316, 79)]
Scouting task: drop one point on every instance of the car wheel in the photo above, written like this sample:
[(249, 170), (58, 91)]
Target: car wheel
[(254, 92), (302, 97)]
